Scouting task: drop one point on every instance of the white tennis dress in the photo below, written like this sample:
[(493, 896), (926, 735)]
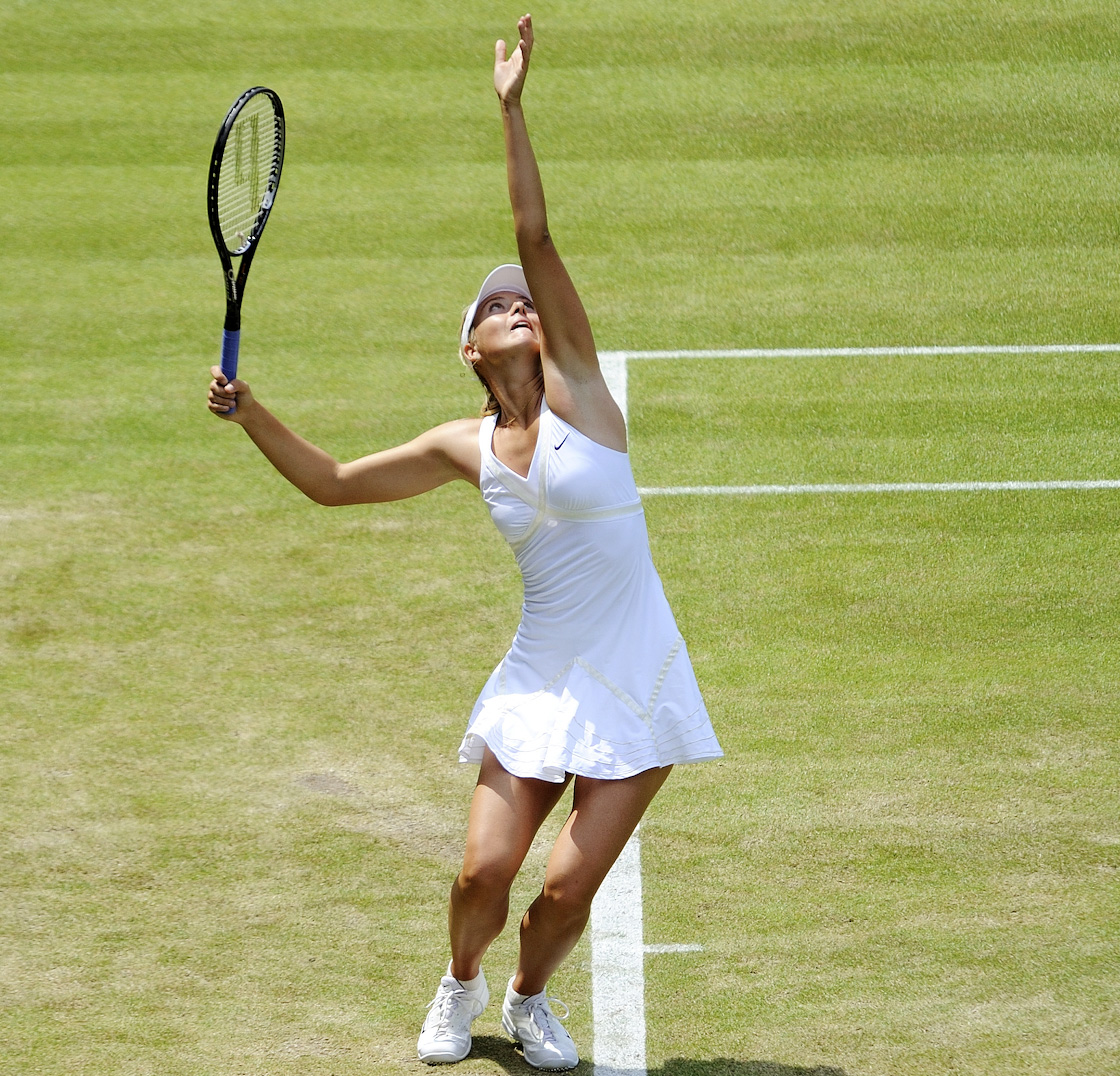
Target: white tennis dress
[(598, 681)]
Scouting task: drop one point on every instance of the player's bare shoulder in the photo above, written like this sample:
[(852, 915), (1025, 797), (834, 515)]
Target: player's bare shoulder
[(457, 441)]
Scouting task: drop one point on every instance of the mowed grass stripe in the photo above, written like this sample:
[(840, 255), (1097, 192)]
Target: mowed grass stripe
[(872, 419)]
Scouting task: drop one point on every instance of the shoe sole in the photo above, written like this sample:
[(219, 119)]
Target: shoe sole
[(445, 1060)]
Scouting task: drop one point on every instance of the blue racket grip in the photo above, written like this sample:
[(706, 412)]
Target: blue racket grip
[(231, 342)]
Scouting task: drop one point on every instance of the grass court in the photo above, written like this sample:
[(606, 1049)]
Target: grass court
[(231, 807)]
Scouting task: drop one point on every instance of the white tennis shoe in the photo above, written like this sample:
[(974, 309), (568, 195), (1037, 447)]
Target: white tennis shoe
[(545, 1041), (446, 1034)]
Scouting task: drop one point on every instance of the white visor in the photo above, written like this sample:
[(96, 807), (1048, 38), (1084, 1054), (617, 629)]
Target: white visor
[(504, 278)]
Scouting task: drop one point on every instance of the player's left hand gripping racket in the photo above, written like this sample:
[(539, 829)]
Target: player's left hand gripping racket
[(244, 176)]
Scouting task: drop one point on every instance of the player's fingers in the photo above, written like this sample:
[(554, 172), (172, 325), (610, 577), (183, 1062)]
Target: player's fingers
[(222, 395), (217, 375), (226, 407), (499, 51)]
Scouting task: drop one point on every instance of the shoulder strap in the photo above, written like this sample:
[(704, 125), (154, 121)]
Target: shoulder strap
[(486, 436)]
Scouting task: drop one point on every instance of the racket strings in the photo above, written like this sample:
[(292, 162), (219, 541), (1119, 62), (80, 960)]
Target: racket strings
[(249, 171)]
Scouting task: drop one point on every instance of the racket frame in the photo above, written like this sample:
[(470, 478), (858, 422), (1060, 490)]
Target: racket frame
[(235, 279)]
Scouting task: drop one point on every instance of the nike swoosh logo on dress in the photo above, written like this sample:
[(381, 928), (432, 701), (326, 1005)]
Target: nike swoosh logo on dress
[(561, 445)]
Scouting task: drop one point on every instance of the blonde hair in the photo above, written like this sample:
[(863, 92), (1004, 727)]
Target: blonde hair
[(490, 405)]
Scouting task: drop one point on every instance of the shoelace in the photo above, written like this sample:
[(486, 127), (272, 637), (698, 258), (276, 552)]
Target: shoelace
[(540, 1012), (449, 1004)]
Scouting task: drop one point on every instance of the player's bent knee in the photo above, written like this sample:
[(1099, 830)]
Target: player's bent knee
[(486, 878), (570, 900)]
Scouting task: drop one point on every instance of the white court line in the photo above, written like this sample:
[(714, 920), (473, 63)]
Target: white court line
[(871, 487), (618, 1001), (868, 352)]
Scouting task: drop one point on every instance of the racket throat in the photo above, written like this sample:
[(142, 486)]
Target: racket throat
[(235, 280)]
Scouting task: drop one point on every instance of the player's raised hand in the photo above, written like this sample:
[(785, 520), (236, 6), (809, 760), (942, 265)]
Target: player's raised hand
[(509, 72)]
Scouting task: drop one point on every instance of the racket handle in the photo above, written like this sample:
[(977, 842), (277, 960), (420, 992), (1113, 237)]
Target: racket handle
[(231, 341)]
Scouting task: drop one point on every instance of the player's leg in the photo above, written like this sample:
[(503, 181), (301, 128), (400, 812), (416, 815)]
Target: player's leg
[(505, 814), (604, 815)]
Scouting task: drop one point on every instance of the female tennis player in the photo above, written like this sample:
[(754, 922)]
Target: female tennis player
[(597, 687)]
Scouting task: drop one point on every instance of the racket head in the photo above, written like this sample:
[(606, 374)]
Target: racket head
[(245, 171)]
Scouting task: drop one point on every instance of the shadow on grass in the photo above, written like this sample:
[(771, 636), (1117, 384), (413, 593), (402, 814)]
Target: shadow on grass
[(501, 1051)]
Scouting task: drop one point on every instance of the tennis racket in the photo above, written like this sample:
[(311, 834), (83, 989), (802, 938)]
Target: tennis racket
[(244, 176)]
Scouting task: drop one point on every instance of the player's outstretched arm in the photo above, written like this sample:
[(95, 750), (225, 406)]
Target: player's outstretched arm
[(573, 381), (567, 331), (436, 457)]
